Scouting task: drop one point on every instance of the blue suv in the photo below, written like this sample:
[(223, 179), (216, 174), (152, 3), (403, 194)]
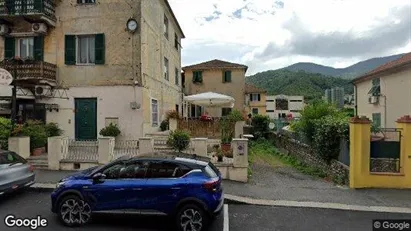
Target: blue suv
[(188, 190)]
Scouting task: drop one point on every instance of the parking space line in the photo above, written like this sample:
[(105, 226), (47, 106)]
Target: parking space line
[(226, 222)]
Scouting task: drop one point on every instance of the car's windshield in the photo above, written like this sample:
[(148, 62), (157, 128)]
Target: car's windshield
[(10, 158)]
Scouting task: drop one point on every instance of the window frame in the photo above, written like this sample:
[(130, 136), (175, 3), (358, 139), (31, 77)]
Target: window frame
[(86, 2), (152, 112), (176, 41), (166, 29), (17, 48), (252, 111), (77, 40), (225, 79), (376, 87), (177, 76), (197, 74), (252, 97)]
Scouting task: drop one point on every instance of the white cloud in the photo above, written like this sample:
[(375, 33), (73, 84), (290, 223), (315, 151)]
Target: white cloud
[(265, 22)]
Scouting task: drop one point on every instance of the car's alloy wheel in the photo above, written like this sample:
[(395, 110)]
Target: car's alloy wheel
[(74, 211), (191, 219)]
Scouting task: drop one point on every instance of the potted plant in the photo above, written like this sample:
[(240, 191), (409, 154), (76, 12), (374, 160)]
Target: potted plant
[(179, 140), (227, 133), (220, 156), (111, 130)]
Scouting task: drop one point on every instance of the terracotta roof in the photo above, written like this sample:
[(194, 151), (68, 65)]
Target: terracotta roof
[(404, 60), (216, 64), (253, 89)]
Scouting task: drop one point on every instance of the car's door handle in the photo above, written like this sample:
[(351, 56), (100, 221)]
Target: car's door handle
[(137, 189), (119, 189)]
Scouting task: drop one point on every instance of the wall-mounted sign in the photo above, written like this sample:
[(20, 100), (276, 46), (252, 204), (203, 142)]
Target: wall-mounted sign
[(5, 77), (240, 149)]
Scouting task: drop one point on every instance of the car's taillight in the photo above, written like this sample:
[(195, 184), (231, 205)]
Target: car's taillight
[(31, 168), (212, 185)]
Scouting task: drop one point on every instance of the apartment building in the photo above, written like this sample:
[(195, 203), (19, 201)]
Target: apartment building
[(255, 100), (282, 106), (87, 63)]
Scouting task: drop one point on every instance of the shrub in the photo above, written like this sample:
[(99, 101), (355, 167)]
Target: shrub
[(111, 130), (178, 140), (309, 115), (35, 130), (260, 125), (172, 114), (227, 130), (328, 133), (53, 129), (5, 132), (235, 116), (164, 125)]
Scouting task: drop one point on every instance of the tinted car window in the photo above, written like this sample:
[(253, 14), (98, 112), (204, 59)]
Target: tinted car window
[(210, 172), (163, 170), (7, 158), (113, 172), (133, 170)]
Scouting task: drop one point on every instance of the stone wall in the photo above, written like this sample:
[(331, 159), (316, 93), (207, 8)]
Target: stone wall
[(335, 170)]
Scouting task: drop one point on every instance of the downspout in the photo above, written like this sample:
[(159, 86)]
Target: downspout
[(355, 101)]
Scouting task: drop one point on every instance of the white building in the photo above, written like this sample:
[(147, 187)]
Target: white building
[(280, 106)]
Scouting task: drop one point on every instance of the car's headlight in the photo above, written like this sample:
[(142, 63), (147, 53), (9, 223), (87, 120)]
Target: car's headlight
[(60, 184)]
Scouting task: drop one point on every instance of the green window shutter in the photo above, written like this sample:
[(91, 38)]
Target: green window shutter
[(200, 77), (224, 76), (39, 48), (251, 97), (100, 49), (70, 50), (376, 119), (228, 77), (259, 97), (9, 47), (194, 76)]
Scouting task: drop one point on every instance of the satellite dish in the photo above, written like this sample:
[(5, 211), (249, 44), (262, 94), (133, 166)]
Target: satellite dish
[(5, 77), (271, 125)]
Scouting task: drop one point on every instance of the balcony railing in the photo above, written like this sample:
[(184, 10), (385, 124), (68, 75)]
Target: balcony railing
[(33, 71), (28, 8)]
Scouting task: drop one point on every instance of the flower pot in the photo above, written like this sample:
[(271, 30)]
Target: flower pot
[(220, 158), (37, 152), (225, 148)]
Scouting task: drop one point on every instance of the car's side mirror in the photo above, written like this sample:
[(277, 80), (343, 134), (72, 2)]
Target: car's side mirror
[(98, 176)]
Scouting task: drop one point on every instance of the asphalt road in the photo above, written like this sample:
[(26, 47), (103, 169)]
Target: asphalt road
[(32, 204), (247, 217)]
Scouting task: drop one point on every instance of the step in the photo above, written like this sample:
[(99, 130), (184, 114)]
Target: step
[(40, 166)]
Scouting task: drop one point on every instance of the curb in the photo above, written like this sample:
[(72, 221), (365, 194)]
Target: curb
[(310, 204), (42, 187)]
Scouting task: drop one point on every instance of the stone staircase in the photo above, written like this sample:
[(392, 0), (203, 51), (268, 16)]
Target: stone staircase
[(38, 162), (160, 140)]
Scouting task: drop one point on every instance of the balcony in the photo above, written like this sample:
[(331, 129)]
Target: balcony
[(31, 72), (30, 10)]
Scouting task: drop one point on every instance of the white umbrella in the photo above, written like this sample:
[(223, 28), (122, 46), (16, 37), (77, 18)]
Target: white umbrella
[(210, 99)]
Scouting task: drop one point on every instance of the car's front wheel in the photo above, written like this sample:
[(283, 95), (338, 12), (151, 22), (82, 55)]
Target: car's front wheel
[(73, 211), (191, 218)]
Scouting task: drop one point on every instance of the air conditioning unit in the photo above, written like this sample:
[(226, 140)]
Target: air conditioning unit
[(42, 91), (4, 29), (373, 99), (40, 28)]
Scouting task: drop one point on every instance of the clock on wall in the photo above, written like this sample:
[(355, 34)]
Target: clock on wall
[(132, 25)]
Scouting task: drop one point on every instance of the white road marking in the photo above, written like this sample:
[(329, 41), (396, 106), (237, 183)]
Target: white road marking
[(226, 222), (43, 185), (323, 205)]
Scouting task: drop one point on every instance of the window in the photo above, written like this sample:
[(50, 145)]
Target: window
[(166, 26), (376, 88), (225, 111), (85, 1), (281, 104), (226, 76), (11, 158), (255, 111), (166, 69), (255, 97), (270, 100), (197, 76), (296, 100), (177, 108), (376, 119), (176, 43), (25, 47), (177, 77), (270, 110), (133, 170), (210, 172), (163, 170), (296, 111), (154, 113), (113, 172), (86, 49)]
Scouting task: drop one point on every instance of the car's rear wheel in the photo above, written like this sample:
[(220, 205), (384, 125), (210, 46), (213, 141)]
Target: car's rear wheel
[(73, 211), (191, 218)]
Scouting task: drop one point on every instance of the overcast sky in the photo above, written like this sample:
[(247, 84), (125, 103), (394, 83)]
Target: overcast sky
[(271, 34)]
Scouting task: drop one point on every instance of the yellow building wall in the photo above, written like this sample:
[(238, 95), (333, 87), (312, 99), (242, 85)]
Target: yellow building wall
[(212, 81), (360, 175), (261, 105)]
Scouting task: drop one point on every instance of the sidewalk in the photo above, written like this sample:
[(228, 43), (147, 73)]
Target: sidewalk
[(284, 186)]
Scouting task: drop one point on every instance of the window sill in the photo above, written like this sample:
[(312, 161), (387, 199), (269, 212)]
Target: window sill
[(86, 64), (387, 173), (86, 4)]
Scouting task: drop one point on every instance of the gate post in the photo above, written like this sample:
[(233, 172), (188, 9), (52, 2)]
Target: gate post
[(360, 139), (404, 123)]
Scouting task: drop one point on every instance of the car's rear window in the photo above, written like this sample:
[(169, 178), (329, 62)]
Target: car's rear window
[(11, 158), (210, 172)]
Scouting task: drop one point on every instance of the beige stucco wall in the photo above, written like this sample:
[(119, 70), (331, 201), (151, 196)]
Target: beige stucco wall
[(212, 81), (397, 89), (112, 101), (154, 47)]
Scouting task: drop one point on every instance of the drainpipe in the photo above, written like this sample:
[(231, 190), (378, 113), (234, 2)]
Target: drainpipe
[(355, 101)]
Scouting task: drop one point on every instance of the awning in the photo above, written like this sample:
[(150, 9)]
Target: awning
[(211, 99)]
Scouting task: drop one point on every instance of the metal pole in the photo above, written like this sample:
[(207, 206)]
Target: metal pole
[(13, 101)]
